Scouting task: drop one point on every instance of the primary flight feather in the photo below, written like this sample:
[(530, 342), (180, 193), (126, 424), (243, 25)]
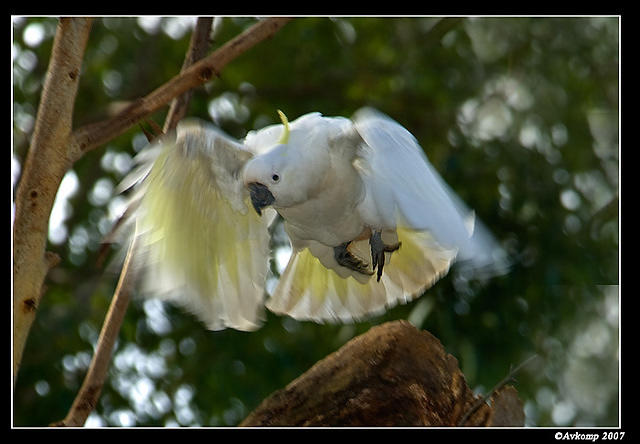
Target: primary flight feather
[(371, 223)]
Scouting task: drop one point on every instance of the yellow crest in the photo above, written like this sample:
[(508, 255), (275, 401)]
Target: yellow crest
[(285, 134)]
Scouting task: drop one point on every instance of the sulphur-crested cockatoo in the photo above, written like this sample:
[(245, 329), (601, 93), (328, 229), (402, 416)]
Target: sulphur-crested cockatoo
[(370, 221)]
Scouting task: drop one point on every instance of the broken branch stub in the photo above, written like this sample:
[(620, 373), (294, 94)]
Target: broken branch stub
[(393, 375)]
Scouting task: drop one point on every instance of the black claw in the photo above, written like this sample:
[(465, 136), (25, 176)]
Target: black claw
[(344, 257), (380, 266), (378, 249)]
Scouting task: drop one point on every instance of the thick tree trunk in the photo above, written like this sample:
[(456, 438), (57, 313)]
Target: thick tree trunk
[(46, 164), (393, 375)]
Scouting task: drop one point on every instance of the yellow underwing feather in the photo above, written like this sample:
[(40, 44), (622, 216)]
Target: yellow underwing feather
[(196, 249), (308, 290)]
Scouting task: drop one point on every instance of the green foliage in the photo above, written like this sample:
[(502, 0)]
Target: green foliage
[(520, 117)]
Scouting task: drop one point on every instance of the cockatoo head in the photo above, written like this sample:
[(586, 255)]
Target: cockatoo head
[(286, 174)]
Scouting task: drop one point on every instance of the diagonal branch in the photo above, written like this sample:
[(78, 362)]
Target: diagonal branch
[(88, 395), (93, 135), (198, 47), (506, 380)]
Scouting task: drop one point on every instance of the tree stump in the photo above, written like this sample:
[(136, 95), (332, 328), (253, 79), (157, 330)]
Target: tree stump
[(393, 375)]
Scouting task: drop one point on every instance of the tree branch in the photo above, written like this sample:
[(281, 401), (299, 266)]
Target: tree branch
[(46, 164), (88, 395), (198, 47), (483, 400), (93, 135)]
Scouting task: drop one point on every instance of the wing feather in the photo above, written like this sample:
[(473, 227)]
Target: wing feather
[(199, 246), (308, 290), (403, 188)]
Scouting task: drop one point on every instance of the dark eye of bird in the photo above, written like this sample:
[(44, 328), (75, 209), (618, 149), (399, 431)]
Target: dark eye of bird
[(275, 178)]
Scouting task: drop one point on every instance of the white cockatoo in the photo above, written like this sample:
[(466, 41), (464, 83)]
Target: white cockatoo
[(371, 223)]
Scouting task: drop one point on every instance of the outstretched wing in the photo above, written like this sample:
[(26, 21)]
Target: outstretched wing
[(198, 245), (404, 189)]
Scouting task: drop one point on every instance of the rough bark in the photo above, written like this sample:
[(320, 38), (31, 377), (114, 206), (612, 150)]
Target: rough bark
[(46, 164), (393, 375)]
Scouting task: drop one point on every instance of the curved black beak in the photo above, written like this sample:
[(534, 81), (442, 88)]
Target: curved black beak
[(260, 196)]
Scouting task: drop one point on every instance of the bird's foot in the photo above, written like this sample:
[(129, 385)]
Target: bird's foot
[(378, 249), (344, 257)]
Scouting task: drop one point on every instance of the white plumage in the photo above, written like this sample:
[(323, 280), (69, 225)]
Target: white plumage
[(348, 190)]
